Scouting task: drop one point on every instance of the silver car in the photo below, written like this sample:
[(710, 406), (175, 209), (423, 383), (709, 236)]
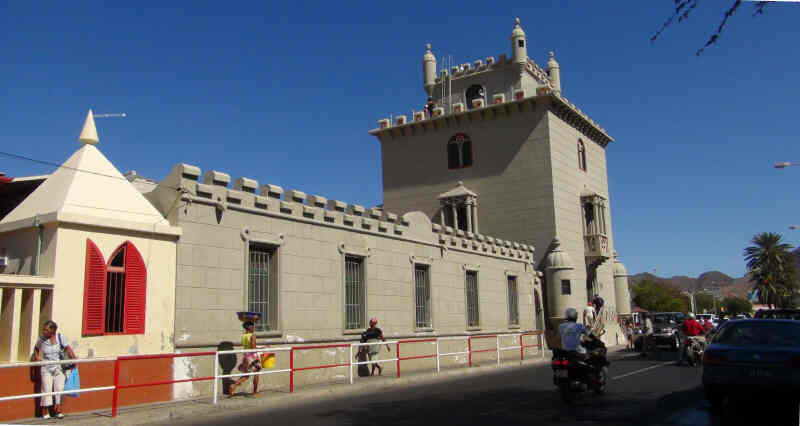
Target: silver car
[(758, 356)]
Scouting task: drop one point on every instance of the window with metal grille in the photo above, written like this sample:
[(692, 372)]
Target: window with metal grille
[(354, 292), (422, 295), (115, 294), (513, 302), (473, 314), (262, 286)]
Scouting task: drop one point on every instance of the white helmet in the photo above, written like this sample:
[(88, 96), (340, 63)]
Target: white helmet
[(691, 315), (572, 314)]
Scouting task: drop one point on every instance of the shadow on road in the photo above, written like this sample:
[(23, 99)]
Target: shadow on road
[(691, 408), (511, 406)]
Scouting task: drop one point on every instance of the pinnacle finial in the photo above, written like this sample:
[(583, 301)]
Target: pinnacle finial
[(552, 54), (428, 47), (516, 22), (89, 132)]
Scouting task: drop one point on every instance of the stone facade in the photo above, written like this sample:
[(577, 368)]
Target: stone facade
[(311, 237)]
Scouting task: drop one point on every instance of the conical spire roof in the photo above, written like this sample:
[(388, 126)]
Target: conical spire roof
[(88, 189), (89, 131)]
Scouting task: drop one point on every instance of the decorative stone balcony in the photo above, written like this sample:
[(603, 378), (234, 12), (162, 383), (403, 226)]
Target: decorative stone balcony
[(596, 247)]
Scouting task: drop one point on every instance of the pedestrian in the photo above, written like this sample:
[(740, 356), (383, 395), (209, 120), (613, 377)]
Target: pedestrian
[(598, 302), (50, 346), (429, 107), (588, 315), (648, 332), (250, 361), (372, 335), (629, 335)]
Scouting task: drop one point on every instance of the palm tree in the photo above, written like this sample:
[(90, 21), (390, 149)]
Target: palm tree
[(770, 264)]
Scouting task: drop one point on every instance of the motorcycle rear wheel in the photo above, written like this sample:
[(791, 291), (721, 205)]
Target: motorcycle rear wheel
[(566, 394)]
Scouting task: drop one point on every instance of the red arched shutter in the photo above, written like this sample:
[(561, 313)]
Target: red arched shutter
[(94, 291), (135, 290)]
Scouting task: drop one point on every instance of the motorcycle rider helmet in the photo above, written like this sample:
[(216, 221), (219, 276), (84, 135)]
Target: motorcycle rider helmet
[(572, 314), (691, 315)]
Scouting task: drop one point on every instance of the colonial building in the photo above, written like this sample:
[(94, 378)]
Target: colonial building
[(513, 158)]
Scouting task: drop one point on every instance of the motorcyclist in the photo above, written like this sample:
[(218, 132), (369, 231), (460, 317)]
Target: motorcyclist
[(572, 332), (693, 329)]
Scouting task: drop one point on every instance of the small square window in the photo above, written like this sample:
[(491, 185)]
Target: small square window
[(521, 43), (566, 287)]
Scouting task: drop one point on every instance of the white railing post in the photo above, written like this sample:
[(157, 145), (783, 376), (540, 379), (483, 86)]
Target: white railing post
[(216, 373), (541, 344), (498, 349), (437, 356), (351, 363)]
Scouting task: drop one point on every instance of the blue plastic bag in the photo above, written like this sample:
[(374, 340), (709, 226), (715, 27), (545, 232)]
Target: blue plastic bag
[(73, 382)]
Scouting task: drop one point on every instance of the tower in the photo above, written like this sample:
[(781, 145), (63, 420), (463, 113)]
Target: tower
[(532, 160)]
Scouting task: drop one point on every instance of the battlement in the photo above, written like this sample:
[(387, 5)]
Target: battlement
[(500, 104), (478, 66), (272, 200)]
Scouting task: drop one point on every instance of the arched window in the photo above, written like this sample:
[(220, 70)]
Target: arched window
[(474, 92), (459, 151), (115, 294), (581, 155)]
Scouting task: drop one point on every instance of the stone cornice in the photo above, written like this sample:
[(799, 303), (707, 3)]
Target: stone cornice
[(560, 106)]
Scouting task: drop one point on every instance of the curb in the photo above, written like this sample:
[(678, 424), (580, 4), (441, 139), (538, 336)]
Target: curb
[(175, 410)]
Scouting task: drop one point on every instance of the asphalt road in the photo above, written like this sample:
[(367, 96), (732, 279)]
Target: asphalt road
[(651, 391)]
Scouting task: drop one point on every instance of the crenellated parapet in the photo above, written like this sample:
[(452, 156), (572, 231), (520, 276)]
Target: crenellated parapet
[(500, 105), (271, 200)]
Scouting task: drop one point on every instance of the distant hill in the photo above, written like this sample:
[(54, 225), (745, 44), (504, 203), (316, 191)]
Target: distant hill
[(728, 286)]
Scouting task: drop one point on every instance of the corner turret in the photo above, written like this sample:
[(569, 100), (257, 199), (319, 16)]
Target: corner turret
[(554, 73), (519, 46), (429, 69)]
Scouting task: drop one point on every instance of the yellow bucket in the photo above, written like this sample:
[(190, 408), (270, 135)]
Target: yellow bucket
[(268, 360)]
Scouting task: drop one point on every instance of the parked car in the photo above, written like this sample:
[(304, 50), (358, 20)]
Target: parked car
[(666, 330), (752, 356), (792, 314)]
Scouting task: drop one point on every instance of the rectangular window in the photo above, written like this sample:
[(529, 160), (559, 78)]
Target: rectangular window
[(566, 287), (473, 315), (354, 292), (513, 302), (422, 295), (262, 286)]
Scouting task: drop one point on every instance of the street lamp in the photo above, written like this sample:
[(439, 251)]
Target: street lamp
[(785, 164), (794, 226)]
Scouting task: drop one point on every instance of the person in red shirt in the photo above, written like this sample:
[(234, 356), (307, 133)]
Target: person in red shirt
[(692, 328)]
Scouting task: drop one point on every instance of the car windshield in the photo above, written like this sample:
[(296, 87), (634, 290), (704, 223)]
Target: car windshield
[(675, 318), (760, 333)]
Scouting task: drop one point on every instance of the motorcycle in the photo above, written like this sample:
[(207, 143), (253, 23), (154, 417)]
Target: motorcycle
[(692, 353), (575, 373)]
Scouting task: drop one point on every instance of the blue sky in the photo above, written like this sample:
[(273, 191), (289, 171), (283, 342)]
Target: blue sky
[(285, 94)]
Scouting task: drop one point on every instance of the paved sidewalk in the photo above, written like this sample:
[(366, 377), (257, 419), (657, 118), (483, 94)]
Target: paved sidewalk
[(167, 411)]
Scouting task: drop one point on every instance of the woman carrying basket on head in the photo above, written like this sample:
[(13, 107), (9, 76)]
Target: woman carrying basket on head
[(250, 360)]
